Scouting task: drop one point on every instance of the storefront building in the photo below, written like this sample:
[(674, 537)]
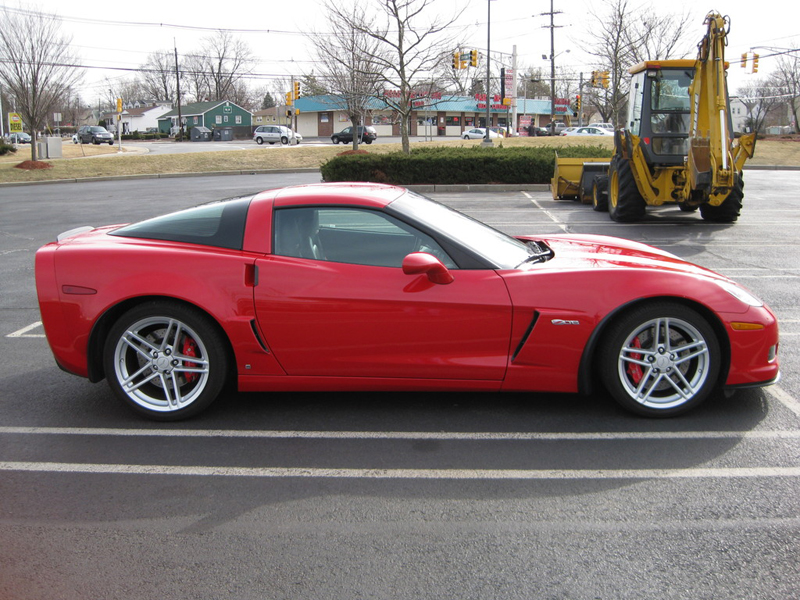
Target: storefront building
[(441, 115)]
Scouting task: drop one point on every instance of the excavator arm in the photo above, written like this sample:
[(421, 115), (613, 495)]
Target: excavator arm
[(714, 160)]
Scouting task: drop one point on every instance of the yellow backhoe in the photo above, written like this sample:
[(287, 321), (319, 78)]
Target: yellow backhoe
[(677, 146)]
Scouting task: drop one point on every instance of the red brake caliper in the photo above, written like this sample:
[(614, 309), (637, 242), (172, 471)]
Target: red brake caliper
[(634, 370), (189, 349)]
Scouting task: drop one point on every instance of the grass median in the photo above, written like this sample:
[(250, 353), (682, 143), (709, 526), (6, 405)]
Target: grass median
[(87, 162)]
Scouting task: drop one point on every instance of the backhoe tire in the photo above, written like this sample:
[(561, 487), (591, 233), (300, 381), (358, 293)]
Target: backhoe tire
[(600, 194), (625, 203), (728, 211)]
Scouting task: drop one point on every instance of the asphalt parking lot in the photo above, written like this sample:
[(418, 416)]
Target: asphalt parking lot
[(399, 495)]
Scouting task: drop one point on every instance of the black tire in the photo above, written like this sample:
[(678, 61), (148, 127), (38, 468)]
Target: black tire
[(625, 203), (335, 139), (111, 143), (284, 140), (259, 141), (728, 211), (600, 194), (660, 360), (687, 207), (367, 141), (95, 142), (171, 357)]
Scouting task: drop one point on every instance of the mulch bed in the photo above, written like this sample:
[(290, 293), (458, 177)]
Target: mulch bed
[(30, 165)]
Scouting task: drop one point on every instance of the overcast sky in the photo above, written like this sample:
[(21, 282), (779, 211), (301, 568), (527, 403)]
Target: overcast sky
[(111, 35)]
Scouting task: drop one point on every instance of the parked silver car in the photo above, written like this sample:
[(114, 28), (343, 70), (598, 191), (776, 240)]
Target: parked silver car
[(275, 133)]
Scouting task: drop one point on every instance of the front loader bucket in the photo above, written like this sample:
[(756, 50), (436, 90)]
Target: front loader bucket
[(573, 177)]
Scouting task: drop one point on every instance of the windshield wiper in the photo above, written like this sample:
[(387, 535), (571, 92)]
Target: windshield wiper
[(540, 252)]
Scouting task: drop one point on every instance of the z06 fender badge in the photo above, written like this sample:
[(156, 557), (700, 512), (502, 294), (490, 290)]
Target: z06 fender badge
[(564, 322)]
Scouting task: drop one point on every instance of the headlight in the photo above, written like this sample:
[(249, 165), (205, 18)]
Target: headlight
[(741, 294)]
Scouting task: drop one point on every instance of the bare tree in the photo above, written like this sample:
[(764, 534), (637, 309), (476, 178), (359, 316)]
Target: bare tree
[(349, 63), (37, 66), (195, 82), (411, 45), (787, 81), (158, 76), (761, 99), (624, 37), (129, 90), (226, 61)]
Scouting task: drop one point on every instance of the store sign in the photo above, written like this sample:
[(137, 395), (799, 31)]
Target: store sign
[(14, 122)]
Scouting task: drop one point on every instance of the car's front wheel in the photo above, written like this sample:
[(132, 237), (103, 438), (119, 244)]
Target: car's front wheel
[(165, 360), (284, 140), (660, 359)]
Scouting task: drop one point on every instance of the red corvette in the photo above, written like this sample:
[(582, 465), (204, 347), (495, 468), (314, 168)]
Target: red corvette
[(373, 287)]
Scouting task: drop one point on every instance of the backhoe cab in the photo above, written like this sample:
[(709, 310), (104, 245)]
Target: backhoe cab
[(678, 144)]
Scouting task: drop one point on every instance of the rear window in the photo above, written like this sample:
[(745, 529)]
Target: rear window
[(219, 224)]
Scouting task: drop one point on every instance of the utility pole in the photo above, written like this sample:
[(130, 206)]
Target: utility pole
[(552, 26), (514, 90), (178, 87)]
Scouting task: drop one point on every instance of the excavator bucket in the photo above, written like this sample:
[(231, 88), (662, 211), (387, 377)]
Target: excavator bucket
[(573, 177)]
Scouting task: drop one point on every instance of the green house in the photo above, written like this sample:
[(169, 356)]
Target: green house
[(219, 114)]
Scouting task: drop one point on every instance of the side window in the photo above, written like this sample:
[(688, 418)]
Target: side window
[(350, 235)]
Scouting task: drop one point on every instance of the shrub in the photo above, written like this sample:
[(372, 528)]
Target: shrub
[(6, 148), (442, 165)]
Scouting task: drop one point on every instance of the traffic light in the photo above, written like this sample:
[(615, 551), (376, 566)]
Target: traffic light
[(744, 60), (119, 105), (296, 90), (289, 112), (288, 98), (456, 61), (473, 58), (594, 78), (578, 103), (604, 77), (755, 63)]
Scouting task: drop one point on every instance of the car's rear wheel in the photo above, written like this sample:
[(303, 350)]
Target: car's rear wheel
[(284, 140), (166, 361), (660, 360), (259, 141), (335, 139), (95, 141)]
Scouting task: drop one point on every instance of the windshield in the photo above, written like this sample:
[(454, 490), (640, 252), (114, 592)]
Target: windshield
[(497, 248)]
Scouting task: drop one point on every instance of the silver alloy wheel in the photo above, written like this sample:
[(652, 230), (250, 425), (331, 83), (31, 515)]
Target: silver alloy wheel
[(664, 363), (161, 364)]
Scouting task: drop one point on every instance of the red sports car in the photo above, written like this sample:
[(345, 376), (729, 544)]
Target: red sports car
[(373, 287)]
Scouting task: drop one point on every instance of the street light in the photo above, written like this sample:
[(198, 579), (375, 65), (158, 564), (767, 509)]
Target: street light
[(487, 141)]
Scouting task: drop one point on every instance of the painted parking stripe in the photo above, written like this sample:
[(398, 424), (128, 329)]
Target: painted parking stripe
[(476, 436), (23, 333), (434, 474)]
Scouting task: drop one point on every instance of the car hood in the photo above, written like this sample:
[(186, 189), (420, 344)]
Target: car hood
[(583, 252)]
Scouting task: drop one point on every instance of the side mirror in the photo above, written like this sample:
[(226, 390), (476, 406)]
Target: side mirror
[(418, 263)]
